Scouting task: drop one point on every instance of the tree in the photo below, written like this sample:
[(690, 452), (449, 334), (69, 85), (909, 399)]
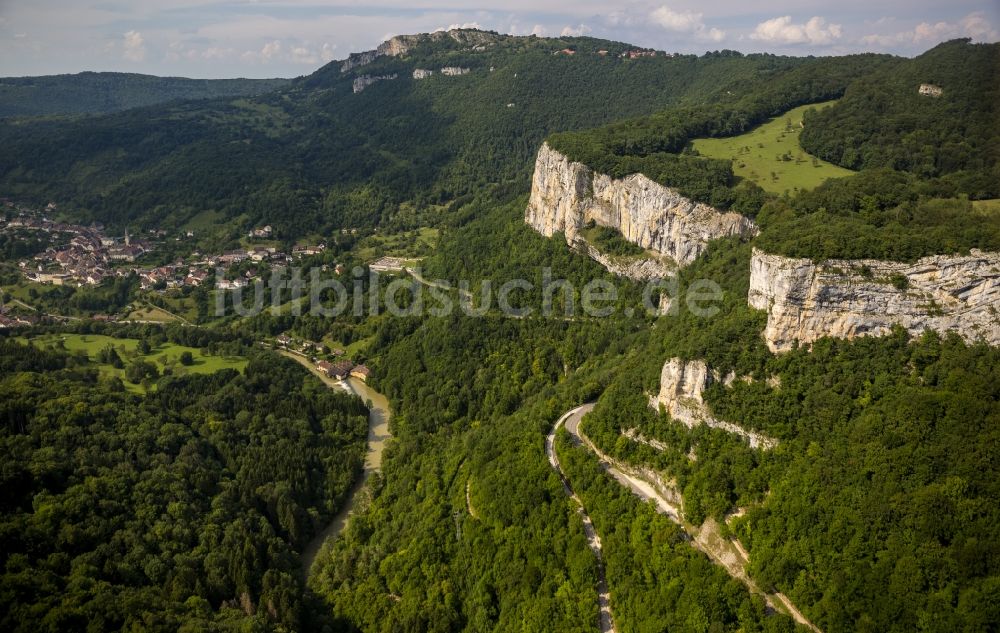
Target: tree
[(187, 358)]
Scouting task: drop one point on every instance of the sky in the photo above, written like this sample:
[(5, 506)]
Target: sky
[(288, 38)]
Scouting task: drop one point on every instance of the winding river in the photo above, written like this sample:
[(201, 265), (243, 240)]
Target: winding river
[(378, 435)]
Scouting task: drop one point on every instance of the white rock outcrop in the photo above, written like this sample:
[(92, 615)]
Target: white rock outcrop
[(470, 39), (849, 298), (362, 82), (681, 387), (566, 195)]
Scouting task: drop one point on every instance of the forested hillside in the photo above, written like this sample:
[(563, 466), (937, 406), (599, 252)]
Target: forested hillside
[(101, 93), (314, 156), (884, 121), (895, 208), (183, 508), (186, 506)]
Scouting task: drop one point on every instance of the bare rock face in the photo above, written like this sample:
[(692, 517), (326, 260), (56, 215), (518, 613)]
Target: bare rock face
[(681, 387), (849, 298), (566, 195), (362, 82), (638, 269), (401, 45)]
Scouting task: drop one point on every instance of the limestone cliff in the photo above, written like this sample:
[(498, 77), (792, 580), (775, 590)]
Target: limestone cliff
[(401, 45), (566, 195), (362, 82), (848, 298), (681, 387)]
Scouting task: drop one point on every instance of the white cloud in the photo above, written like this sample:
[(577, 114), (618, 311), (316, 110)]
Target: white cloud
[(782, 30), (575, 31), (302, 55), (690, 22), (278, 52), (270, 50), (134, 47), (974, 25), (677, 20), (326, 53)]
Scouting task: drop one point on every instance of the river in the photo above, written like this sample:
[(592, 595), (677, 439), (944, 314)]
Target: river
[(378, 435)]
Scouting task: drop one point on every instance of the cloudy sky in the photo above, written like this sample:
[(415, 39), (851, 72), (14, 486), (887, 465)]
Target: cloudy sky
[(286, 38)]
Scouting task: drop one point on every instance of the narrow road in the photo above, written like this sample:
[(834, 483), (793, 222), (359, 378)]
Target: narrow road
[(593, 540), (378, 435), (727, 552)]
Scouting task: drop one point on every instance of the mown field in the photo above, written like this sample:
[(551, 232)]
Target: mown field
[(165, 356), (771, 156)]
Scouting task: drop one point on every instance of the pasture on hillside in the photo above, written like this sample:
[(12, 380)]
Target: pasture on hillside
[(770, 154), (165, 356)]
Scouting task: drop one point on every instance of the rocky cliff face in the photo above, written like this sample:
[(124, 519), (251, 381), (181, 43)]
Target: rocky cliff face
[(566, 195), (681, 387), (362, 82), (639, 269), (401, 44), (848, 298)]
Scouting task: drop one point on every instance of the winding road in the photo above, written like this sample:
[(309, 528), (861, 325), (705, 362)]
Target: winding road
[(727, 552), (378, 435), (569, 418)]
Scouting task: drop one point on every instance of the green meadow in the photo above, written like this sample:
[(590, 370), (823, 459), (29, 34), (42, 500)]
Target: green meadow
[(770, 154), (165, 356)]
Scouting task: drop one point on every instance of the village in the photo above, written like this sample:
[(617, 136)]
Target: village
[(87, 255), (78, 255)]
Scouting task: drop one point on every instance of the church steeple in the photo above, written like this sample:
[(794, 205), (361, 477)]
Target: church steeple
[(127, 239)]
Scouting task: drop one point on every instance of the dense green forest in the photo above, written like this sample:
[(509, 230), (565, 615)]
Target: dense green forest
[(883, 121), (876, 483), (881, 214), (102, 93), (660, 582), (181, 510)]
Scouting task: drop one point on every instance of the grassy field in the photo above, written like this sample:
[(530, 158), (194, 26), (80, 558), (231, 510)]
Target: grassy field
[(989, 207), (350, 351), (152, 314), (164, 356), (410, 244), (771, 156)]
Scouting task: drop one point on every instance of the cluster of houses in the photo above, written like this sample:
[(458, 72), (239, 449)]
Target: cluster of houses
[(342, 369), (8, 320), (88, 258), (338, 370), (91, 256)]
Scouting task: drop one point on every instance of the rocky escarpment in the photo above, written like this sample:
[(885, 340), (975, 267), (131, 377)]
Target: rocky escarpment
[(637, 268), (566, 195), (681, 387), (362, 82), (848, 298), (402, 44)]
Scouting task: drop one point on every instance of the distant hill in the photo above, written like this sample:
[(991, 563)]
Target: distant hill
[(101, 93), (316, 155)]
